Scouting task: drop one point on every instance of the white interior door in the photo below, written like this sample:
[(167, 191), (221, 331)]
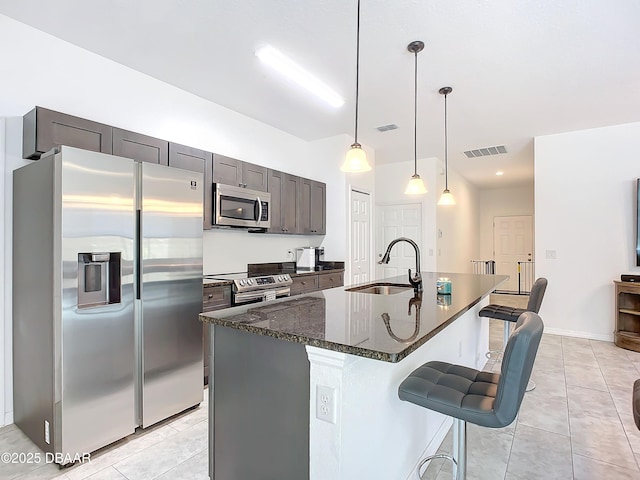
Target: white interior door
[(512, 243), (393, 221), (360, 237)]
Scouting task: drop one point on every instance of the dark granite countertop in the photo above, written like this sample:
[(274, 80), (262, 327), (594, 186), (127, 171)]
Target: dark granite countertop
[(381, 327)]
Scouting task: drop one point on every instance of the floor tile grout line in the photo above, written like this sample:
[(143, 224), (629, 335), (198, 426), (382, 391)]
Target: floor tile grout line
[(566, 388)]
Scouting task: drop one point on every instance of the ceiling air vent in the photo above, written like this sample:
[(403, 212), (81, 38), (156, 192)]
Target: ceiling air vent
[(386, 128), (483, 152)]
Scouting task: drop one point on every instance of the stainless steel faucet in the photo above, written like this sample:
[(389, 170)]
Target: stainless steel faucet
[(416, 279)]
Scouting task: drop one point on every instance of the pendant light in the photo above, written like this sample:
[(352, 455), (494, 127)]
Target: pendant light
[(446, 198), (356, 159), (415, 185)]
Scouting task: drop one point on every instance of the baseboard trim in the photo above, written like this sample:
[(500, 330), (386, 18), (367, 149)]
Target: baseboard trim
[(577, 334)]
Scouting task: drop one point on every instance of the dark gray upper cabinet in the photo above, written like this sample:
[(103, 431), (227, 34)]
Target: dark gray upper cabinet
[(194, 159), (312, 201), (230, 171), (290, 204), (141, 148), (284, 190), (44, 129), (275, 180)]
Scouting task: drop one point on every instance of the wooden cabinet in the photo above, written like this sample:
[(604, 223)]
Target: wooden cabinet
[(194, 159), (213, 298), (44, 129), (312, 282), (216, 297), (312, 200), (627, 334), (231, 171), (304, 284), (284, 189), (254, 177), (141, 148), (330, 280)]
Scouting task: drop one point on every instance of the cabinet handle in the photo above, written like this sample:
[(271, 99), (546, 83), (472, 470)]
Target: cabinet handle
[(303, 283), (211, 295)]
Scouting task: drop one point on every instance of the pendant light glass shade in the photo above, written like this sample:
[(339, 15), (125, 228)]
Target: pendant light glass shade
[(446, 198), (415, 186), (356, 159)]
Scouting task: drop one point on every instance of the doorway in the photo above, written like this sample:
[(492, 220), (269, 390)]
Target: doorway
[(359, 237), (393, 221), (512, 243)]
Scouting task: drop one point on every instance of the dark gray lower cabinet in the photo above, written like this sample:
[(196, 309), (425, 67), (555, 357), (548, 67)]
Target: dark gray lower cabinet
[(213, 298), (259, 406), (45, 129), (196, 160), (141, 148)]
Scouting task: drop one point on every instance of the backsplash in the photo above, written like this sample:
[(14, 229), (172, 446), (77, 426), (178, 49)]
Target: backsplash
[(230, 250)]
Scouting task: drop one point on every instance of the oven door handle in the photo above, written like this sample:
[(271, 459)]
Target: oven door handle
[(257, 213)]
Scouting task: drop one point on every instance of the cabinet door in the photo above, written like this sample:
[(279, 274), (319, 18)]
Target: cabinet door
[(290, 205), (318, 208), (304, 284), (275, 180), (330, 280), (44, 129), (189, 158), (304, 207), (141, 148), (254, 177), (227, 170)]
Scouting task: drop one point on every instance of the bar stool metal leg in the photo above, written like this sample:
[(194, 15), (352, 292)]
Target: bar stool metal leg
[(458, 455), (459, 449), (506, 331)]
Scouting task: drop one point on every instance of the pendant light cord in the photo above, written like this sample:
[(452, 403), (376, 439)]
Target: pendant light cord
[(446, 147), (357, 69), (415, 116)]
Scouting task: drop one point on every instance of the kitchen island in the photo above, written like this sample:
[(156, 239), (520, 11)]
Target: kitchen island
[(307, 387)]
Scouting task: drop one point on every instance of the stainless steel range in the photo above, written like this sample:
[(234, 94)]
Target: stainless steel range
[(261, 288)]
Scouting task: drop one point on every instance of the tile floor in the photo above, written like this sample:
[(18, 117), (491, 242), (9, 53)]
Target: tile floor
[(576, 424)]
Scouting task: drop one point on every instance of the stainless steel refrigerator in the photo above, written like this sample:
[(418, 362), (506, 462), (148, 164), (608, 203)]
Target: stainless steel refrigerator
[(107, 287)]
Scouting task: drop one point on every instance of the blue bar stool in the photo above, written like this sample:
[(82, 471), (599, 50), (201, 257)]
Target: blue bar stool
[(483, 398)]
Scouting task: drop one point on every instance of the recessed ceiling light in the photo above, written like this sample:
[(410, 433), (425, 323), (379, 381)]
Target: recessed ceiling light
[(287, 67), (499, 173)]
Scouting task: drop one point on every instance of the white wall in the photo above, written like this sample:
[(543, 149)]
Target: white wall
[(390, 183), (501, 202), (38, 69), (585, 211), (457, 226)]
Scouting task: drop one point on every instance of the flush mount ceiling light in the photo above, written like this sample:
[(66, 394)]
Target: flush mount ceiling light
[(446, 198), (499, 173), (356, 159), (287, 67), (415, 185)]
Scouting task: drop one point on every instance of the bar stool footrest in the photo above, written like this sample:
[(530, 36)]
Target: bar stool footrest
[(433, 457)]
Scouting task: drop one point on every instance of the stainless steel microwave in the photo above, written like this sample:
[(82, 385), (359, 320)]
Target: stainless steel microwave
[(240, 207)]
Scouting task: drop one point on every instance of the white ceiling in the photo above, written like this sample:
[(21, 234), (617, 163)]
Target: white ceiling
[(518, 68)]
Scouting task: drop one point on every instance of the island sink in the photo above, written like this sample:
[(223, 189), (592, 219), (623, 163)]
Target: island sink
[(381, 288)]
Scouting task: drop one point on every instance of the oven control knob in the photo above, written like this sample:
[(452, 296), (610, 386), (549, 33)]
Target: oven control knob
[(280, 278), (242, 282), (249, 281)]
